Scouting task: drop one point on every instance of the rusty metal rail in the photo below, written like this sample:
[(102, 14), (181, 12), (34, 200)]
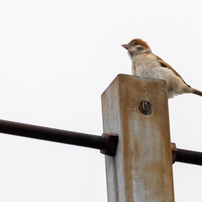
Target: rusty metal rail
[(186, 156), (106, 143)]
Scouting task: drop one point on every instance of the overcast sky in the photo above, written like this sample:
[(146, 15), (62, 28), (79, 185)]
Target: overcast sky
[(56, 59)]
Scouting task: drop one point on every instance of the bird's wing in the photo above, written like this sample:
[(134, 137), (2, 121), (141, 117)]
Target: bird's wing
[(166, 65)]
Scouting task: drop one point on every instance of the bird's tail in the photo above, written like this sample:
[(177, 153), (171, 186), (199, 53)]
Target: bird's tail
[(197, 92)]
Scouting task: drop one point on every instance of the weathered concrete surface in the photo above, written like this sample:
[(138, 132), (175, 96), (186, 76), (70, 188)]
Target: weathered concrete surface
[(141, 171)]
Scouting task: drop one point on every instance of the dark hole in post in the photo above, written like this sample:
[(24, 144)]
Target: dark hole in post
[(145, 107)]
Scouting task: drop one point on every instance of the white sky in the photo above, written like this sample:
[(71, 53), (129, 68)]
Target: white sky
[(56, 59)]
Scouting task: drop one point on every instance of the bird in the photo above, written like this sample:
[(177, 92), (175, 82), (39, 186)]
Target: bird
[(146, 64)]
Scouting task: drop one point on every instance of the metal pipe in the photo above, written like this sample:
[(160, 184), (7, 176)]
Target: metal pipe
[(187, 156), (107, 143), (51, 134)]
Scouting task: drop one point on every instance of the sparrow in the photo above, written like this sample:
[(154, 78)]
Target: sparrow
[(147, 64)]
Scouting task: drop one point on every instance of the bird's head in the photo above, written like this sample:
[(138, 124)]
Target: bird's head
[(137, 46)]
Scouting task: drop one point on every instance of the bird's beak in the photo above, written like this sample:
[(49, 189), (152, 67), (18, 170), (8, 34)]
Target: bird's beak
[(126, 46)]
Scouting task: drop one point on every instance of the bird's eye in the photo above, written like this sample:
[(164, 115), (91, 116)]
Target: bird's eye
[(135, 43)]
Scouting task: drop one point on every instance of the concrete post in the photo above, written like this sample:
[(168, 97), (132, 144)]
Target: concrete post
[(137, 110)]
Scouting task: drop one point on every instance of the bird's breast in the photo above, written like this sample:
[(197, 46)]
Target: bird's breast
[(145, 69), (151, 70)]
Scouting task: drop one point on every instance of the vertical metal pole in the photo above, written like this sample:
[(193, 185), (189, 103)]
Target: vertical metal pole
[(137, 110)]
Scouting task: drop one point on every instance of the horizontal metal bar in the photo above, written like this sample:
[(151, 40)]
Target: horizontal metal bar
[(187, 156), (51, 134), (107, 143)]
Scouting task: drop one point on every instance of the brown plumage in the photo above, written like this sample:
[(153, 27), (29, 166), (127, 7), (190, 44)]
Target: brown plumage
[(140, 41)]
